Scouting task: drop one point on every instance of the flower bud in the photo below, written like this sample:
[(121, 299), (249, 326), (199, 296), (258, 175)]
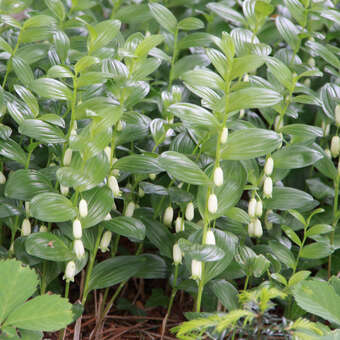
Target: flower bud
[(251, 229), (259, 208), (141, 192), (43, 229), (27, 208), (2, 178), (130, 209), (246, 78), (64, 190), (113, 185), (67, 157), (307, 82), (168, 216), (328, 153), (278, 124), (83, 210), (267, 187), (335, 146), (77, 229), (337, 115), (196, 270), (108, 217), (212, 203), (105, 241), (210, 238), (224, 136), (78, 249), (311, 62), (177, 254), (107, 151), (152, 177), (252, 207), (269, 166), (73, 133), (258, 232), (190, 211), (218, 176), (242, 113), (70, 271), (26, 227), (120, 126), (179, 224)]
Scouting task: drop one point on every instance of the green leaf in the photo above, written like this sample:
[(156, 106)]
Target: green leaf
[(25, 184), (85, 62), (282, 253), (58, 71), (201, 252), (126, 226), (250, 143), (190, 24), (292, 235), (226, 293), (20, 283), (51, 88), (302, 132), (288, 31), (246, 64), (138, 164), (57, 8), (84, 177), (22, 70), (115, 270), (280, 71), (182, 168), (4, 45), (147, 44), (229, 193), (252, 97), (285, 198), (319, 229), (298, 277), (317, 250), (12, 150), (203, 77), (164, 17), (57, 313), (28, 98), (42, 131), (99, 201), (318, 298), (295, 156), (48, 246), (325, 53), (194, 116), (227, 13), (39, 21), (52, 207)]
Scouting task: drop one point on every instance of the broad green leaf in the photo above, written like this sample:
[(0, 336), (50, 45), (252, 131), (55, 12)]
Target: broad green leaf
[(282, 253), (182, 168), (302, 132), (99, 201), (57, 313), (48, 246), (126, 226), (190, 24), (115, 270), (194, 116), (226, 293), (246, 64), (203, 77), (147, 44), (298, 277), (250, 143), (57, 8), (138, 164), (325, 53), (285, 198), (28, 98), (295, 156), (252, 97), (12, 150), (42, 131), (317, 250), (58, 71), (9, 208), (227, 13), (25, 184), (39, 21), (318, 298), (85, 62), (164, 17), (280, 71), (319, 229), (229, 193), (291, 234), (20, 284), (154, 267), (201, 252), (51, 88), (22, 70), (288, 31), (52, 207)]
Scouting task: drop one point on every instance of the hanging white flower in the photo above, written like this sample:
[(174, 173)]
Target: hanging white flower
[(105, 241), (212, 203), (168, 216), (177, 254), (83, 210), (190, 211), (70, 271), (218, 176)]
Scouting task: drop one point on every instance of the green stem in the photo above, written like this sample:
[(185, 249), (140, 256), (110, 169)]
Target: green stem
[(174, 290), (43, 279), (67, 289), (173, 59), (90, 266), (246, 283)]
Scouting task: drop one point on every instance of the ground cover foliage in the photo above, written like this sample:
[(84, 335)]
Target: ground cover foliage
[(190, 142)]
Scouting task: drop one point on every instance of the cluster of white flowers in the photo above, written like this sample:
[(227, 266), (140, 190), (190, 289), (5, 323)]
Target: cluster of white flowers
[(78, 246)]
